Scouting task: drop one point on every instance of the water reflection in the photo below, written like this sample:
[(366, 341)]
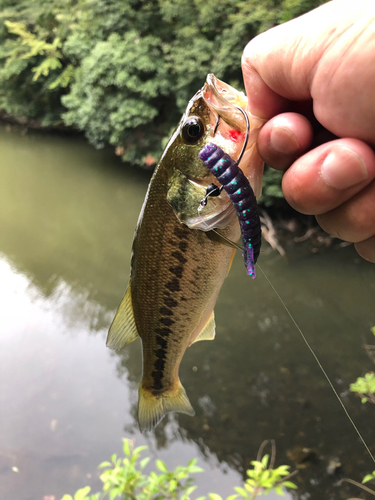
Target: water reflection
[(63, 407), (67, 216)]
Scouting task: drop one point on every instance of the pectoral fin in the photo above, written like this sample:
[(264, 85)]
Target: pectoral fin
[(123, 329), (208, 332)]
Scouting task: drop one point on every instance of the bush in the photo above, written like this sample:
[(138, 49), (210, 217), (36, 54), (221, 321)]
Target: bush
[(124, 478)]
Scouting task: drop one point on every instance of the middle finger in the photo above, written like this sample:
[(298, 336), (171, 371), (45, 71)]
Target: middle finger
[(328, 176)]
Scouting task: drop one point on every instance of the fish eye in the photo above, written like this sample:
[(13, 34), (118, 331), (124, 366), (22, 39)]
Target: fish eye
[(192, 130)]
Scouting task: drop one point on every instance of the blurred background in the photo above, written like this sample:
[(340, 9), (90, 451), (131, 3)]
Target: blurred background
[(80, 75)]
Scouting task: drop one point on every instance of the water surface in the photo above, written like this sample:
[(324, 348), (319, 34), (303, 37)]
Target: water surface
[(67, 217)]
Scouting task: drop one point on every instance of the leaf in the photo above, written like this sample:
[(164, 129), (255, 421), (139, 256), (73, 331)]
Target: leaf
[(255, 463), (283, 469), (368, 477), (251, 481), (195, 469), (67, 497), (249, 487), (231, 497), (264, 461), (240, 491), (126, 447), (161, 466), (214, 496), (190, 490), (289, 484), (279, 490), (144, 462), (82, 493), (104, 464), (139, 449), (114, 493)]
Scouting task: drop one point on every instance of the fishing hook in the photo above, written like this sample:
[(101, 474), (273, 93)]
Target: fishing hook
[(212, 189)]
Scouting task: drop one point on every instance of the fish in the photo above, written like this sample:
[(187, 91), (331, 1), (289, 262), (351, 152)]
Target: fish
[(182, 252)]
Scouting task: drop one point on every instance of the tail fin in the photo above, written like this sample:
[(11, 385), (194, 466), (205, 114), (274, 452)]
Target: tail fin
[(151, 409)]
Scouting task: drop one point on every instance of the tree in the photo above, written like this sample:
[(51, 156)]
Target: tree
[(123, 72)]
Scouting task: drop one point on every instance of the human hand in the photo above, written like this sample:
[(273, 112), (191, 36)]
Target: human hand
[(314, 77)]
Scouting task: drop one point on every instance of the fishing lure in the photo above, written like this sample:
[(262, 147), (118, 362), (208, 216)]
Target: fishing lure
[(238, 188)]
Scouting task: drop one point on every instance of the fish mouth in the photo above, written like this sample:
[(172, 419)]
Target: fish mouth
[(224, 100), (229, 129), (230, 105)]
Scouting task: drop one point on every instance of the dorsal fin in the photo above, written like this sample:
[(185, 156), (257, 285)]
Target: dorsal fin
[(208, 332), (123, 329)]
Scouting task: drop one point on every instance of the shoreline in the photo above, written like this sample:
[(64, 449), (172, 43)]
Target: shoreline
[(25, 123), (293, 235)]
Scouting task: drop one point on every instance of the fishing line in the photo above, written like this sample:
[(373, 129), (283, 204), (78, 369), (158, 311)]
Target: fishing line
[(202, 204), (319, 363)]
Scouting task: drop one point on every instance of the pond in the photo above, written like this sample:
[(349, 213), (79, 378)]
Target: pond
[(67, 217)]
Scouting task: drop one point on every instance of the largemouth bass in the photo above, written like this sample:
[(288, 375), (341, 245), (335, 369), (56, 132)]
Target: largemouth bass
[(181, 251)]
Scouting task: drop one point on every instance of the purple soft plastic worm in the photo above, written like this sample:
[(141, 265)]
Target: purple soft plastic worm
[(238, 188)]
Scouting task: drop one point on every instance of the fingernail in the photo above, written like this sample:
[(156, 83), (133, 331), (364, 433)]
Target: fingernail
[(343, 168), (283, 141)]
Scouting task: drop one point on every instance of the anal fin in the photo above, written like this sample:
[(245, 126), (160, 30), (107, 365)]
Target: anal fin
[(123, 329), (208, 332)]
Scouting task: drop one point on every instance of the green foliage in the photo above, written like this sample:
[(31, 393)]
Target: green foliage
[(369, 477), (82, 495), (124, 478), (31, 61), (295, 8), (261, 480), (271, 188), (123, 72), (365, 387)]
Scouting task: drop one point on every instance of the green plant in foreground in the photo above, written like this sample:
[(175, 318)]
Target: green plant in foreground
[(124, 479), (365, 386), (369, 477), (262, 479)]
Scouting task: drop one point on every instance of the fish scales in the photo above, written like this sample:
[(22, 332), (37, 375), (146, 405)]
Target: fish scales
[(186, 267), (182, 253)]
